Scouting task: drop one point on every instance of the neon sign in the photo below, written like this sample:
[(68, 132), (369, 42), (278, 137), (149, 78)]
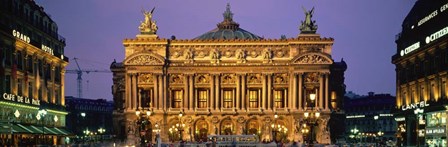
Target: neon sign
[(47, 49), (409, 49), (21, 36), (414, 106), (20, 99), (437, 35)]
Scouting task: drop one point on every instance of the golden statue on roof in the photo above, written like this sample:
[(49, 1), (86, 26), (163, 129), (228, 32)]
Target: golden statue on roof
[(149, 26)]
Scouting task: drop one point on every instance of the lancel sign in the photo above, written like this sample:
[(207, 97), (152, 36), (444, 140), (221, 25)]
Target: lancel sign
[(414, 106), (20, 99)]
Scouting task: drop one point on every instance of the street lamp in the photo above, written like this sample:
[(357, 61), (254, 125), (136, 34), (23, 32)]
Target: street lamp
[(141, 122), (157, 131), (275, 126), (40, 115), (101, 131), (311, 119), (354, 132), (180, 126)]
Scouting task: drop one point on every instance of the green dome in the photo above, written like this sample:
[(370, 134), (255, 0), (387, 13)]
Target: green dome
[(228, 29)]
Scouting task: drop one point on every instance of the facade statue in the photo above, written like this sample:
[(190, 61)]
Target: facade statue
[(308, 26), (149, 26)]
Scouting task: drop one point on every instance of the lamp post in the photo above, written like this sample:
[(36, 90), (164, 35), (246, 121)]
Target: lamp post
[(274, 128), (355, 133), (40, 115), (311, 120), (101, 131), (380, 133), (141, 123), (157, 131), (180, 126)]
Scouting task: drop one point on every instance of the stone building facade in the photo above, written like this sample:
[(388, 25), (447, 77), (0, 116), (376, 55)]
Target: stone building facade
[(421, 61), (32, 68), (226, 81)]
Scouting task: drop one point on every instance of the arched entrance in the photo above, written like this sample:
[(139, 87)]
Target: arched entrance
[(227, 127), (175, 131), (201, 131), (279, 130), (144, 130)]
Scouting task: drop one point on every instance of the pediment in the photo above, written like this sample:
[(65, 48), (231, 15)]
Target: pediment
[(144, 59), (312, 58)]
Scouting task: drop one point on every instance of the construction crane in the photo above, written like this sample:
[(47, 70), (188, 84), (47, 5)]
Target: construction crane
[(79, 72)]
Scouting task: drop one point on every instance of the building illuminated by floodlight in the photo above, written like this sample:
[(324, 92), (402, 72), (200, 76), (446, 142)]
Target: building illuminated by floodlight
[(228, 81)]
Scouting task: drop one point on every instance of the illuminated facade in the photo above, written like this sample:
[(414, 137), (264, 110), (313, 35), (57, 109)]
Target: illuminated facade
[(226, 81), (421, 69), (32, 76)]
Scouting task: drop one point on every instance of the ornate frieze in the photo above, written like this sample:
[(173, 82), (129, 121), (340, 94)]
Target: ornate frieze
[(188, 54), (254, 78), (312, 77), (202, 79), (240, 56), (176, 79), (228, 53), (144, 59), (280, 78), (145, 78), (267, 55), (214, 56), (228, 78), (313, 59)]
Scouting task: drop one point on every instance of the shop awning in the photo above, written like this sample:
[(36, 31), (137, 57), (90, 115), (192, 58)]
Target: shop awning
[(7, 128)]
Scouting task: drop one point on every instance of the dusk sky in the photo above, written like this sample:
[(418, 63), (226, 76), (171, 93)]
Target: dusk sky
[(363, 31)]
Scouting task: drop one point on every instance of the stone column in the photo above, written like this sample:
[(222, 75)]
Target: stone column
[(300, 98), (134, 91), (139, 96), (290, 91), (243, 92), (128, 90), (294, 91), (191, 94), (238, 91), (263, 94), (212, 92), (327, 98), (62, 89), (53, 85), (269, 98), (155, 97), (186, 90), (163, 92), (321, 91), (217, 92)]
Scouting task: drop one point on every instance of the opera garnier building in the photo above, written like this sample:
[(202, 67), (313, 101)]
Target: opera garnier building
[(228, 81)]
